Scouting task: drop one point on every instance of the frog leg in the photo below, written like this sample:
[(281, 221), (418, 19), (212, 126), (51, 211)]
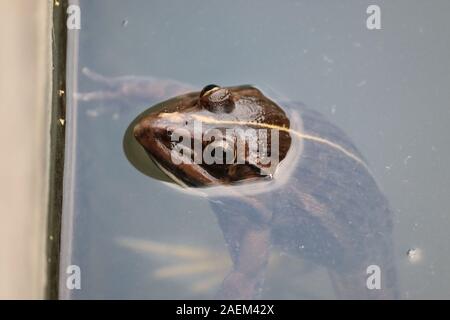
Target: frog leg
[(247, 234), (246, 278), (132, 87), (350, 282), (321, 212), (200, 268)]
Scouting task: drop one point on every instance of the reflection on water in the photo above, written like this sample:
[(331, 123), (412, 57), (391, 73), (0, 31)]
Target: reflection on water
[(376, 86)]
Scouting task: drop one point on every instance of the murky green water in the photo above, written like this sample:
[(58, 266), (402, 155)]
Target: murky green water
[(387, 89)]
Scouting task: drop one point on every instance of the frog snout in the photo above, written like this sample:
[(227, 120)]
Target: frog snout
[(144, 128), (138, 131), (152, 128)]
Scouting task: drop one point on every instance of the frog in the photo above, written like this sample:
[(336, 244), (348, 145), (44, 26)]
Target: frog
[(319, 200)]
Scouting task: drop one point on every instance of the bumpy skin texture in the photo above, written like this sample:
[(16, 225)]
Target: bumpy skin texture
[(331, 211)]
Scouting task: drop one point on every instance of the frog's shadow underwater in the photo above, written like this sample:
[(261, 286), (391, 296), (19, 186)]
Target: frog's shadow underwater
[(320, 203)]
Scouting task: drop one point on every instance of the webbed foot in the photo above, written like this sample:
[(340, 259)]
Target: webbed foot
[(203, 269)]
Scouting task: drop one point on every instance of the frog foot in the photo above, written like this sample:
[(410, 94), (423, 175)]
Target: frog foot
[(204, 268), (131, 88)]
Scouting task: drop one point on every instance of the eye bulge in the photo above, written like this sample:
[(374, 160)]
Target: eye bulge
[(208, 88)]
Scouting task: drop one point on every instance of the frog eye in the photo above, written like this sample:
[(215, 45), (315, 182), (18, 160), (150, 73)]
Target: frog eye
[(208, 88), (216, 99)]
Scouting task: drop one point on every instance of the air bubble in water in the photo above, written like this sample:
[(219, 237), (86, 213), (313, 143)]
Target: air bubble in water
[(414, 255)]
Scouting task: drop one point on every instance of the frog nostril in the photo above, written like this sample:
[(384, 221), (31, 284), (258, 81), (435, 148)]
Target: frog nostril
[(137, 130)]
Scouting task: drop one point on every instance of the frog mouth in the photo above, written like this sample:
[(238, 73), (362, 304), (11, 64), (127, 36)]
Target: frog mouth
[(220, 159), (171, 175)]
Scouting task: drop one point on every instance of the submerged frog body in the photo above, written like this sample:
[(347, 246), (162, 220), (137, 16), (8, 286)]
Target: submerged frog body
[(319, 201), (329, 209)]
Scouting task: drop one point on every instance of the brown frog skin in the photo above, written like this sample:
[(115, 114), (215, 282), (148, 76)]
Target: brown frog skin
[(330, 210), (241, 107)]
